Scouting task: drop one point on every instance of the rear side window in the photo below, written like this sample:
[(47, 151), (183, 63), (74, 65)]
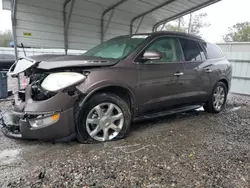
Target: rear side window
[(192, 51), (213, 51)]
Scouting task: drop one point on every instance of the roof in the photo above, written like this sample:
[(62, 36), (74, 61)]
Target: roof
[(42, 24), (169, 33), (174, 33)]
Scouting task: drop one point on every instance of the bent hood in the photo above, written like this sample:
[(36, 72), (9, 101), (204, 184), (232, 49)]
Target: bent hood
[(49, 62)]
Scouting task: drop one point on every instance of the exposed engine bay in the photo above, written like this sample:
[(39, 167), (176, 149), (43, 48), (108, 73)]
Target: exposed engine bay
[(44, 107)]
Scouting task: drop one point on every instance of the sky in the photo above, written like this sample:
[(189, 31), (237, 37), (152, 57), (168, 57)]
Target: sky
[(220, 15), (5, 19)]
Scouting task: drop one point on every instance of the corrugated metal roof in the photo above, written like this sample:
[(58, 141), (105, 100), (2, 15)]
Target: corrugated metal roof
[(40, 23)]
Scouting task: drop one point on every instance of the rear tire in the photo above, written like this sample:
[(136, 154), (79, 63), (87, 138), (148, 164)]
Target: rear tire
[(95, 132), (217, 99)]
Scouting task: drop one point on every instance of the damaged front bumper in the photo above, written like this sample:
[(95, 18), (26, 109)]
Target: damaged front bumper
[(51, 119)]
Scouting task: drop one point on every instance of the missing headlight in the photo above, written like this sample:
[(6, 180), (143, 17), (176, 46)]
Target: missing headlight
[(38, 94)]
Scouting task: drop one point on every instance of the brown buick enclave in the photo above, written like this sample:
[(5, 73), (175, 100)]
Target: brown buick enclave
[(95, 96)]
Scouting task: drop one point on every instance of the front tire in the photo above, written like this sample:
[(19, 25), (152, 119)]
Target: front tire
[(105, 117), (217, 100)]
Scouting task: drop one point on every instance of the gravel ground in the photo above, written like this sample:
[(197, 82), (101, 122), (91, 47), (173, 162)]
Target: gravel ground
[(194, 149)]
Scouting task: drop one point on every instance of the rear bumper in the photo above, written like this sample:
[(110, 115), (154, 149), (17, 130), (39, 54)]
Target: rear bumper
[(20, 122)]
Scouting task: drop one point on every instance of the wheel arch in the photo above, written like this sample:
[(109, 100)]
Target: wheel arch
[(120, 90), (225, 81)]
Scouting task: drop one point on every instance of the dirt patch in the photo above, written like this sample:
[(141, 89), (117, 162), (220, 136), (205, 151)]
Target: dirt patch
[(194, 149)]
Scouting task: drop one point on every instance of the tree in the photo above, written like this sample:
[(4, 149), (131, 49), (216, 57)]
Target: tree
[(193, 25), (197, 22), (170, 27), (5, 38), (178, 26), (240, 32)]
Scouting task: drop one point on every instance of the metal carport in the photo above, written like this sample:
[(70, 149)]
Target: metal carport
[(82, 24)]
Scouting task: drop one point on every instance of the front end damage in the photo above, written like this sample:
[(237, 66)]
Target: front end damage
[(45, 108), (39, 113), (49, 119)]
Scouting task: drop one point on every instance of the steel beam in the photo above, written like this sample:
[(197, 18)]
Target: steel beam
[(66, 21), (239, 77), (163, 25), (198, 7), (239, 60), (111, 8), (13, 20), (64, 25), (110, 18), (139, 24), (147, 12)]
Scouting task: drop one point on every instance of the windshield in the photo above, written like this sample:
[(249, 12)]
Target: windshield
[(117, 48)]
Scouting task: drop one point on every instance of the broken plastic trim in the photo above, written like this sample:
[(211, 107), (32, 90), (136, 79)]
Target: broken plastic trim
[(21, 65), (10, 124)]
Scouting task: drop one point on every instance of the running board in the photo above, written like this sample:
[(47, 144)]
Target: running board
[(167, 112)]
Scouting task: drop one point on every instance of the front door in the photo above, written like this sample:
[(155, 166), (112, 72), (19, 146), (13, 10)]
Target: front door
[(160, 81)]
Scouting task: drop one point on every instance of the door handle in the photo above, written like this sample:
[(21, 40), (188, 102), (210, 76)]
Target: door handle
[(208, 71), (178, 74)]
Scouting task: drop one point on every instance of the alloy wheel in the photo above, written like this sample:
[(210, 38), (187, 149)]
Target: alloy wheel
[(219, 98), (104, 122)]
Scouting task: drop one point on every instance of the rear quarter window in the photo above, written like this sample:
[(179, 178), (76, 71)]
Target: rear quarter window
[(213, 51), (191, 50)]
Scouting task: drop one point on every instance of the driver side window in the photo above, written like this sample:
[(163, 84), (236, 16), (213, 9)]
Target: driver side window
[(169, 49)]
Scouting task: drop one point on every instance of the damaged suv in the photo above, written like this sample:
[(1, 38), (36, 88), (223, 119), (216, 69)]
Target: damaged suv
[(95, 96)]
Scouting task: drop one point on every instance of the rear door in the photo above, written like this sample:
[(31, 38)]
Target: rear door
[(195, 75), (159, 83), (213, 66)]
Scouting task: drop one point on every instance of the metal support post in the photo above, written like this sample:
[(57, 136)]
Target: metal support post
[(66, 21), (14, 22)]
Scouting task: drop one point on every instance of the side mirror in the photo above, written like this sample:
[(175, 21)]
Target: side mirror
[(151, 55)]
